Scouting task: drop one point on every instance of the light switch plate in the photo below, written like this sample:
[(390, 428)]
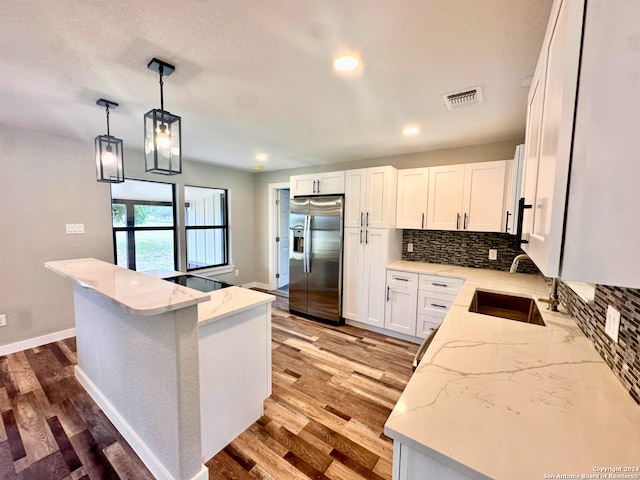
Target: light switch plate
[(612, 325), (493, 254), (3, 320), (409, 247), (74, 228)]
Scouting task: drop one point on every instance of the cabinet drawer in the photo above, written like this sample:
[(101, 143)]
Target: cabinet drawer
[(434, 303), (402, 279), (435, 283), (426, 324)]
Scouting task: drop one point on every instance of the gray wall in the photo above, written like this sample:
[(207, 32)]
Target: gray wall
[(470, 154), (48, 181)]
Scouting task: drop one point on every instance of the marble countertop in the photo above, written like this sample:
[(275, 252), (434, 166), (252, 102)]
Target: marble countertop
[(503, 399), (138, 293), (224, 302)]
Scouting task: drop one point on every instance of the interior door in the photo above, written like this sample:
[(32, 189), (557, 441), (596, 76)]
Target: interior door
[(283, 244)]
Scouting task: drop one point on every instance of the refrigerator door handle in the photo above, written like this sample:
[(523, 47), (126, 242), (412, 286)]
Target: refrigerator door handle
[(307, 244)]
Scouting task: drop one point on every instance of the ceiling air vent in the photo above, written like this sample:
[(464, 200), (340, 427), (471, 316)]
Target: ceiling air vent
[(463, 98)]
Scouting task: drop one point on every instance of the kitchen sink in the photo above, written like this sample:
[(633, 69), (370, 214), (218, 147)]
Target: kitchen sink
[(502, 305)]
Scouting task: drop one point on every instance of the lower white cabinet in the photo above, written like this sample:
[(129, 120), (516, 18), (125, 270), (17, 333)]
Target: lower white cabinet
[(367, 252), (410, 465), (416, 304), (435, 297), (402, 294)]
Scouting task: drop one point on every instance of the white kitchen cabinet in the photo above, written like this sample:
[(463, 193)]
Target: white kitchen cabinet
[(435, 297), (548, 136), (366, 255), (327, 183), (513, 190), (409, 464), (370, 197), (413, 189), (467, 197), (401, 302), (581, 171)]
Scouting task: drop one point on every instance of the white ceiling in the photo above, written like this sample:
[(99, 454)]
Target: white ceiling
[(255, 75)]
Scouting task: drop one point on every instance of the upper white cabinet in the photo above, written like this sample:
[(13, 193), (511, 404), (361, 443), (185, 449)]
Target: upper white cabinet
[(548, 138), (370, 197), (467, 197), (327, 183), (413, 189), (581, 171)]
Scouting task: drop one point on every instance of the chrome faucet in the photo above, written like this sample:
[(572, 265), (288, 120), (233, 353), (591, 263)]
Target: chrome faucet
[(553, 299), (516, 261)]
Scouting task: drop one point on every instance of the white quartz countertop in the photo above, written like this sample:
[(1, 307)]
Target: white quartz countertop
[(138, 293), (503, 399)]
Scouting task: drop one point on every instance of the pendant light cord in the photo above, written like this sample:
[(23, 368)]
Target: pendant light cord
[(108, 133), (161, 71)]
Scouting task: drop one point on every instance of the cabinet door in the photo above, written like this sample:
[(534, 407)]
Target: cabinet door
[(445, 197), (302, 185), (330, 183), (401, 301), (413, 188), (375, 268), (352, 273), (555, 94), (484, 185), (354, 198), (380, 201)]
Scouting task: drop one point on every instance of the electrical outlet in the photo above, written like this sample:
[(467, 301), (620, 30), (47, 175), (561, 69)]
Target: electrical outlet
[(612, 325), (410, 247), (3, 320), (493, 254), (237, 273)]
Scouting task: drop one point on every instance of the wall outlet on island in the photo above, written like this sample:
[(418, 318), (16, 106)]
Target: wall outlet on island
[(493, 254), (3, 320), (409, 247), (237, 273)]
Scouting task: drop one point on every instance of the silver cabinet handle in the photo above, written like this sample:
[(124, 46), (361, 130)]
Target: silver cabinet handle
[(360, 236), (464, 223), (401, 279), (362, 219), (439, 306), (423, 220), (439, 284), (366, 237), (318, 189), (314, 186), (388, 293), (457, 221), (506, 224), (367, 222)]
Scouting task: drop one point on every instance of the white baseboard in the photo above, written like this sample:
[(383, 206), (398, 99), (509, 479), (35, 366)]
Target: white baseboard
[(263, 286), (36, 341), (144, 452), (384, 331)]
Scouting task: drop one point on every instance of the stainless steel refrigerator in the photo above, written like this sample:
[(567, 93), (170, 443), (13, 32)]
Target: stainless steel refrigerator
[(315, 265)]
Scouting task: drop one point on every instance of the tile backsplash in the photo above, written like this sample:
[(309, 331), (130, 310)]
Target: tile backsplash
[(464, 249), (471, 249)]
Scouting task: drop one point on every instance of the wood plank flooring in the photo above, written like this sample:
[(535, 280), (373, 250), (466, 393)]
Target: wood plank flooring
[(333, 389)]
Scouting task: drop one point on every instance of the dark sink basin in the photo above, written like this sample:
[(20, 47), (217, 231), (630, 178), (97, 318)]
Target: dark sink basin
[(507, 306)]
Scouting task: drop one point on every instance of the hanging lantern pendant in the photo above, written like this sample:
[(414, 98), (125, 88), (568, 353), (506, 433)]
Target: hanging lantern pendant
[(162, 131), (109, 152)]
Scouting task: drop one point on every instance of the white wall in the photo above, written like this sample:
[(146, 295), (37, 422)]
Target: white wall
[(48, 181)]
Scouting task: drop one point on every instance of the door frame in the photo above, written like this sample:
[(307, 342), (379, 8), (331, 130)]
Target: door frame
[(274, 216)]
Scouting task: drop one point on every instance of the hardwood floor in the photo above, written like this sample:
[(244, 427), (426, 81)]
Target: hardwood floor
[(333, 389)]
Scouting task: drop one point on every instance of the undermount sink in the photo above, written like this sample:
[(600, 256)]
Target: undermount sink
[(502, 305)]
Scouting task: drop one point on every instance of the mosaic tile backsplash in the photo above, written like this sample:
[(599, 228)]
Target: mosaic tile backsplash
[(471, 249), (464, 249)]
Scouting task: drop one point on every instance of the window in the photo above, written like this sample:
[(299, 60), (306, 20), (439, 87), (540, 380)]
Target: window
[(206, 221), (144, 227)]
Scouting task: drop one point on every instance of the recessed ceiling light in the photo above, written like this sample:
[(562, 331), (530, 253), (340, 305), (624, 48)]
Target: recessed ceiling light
[(412, 130), (346, 63), (261, 157)]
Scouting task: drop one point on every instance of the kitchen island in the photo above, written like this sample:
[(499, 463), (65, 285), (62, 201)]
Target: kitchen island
[(166, 363), (500, 399)]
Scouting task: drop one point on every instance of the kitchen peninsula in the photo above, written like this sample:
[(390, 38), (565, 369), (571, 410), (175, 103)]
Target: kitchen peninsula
[(179, 372), (501, 399)]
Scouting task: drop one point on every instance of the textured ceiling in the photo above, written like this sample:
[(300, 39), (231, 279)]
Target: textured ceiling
[(255, 76)]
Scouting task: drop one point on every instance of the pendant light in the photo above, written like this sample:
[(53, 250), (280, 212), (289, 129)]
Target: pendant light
[(162, 139), (109, 152)]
